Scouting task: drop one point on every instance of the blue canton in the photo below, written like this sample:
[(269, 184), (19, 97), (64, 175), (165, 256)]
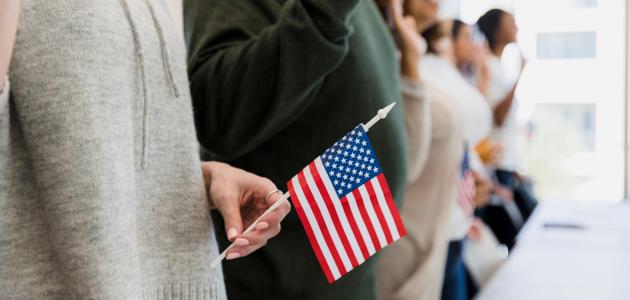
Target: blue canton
[(351, 162)]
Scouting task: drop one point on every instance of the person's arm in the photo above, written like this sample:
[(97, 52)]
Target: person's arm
[(417, 109), (9, 13), (253, 72), (501, 110)]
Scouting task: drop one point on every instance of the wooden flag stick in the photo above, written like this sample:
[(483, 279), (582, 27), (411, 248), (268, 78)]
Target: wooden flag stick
[(382, 114)]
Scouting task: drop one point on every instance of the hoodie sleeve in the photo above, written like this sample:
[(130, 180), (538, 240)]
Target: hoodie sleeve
[(255, 66)]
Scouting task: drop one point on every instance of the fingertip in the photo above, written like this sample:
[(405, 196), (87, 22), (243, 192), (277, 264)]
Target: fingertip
[(262, 225), (232, 233), (232, 255)]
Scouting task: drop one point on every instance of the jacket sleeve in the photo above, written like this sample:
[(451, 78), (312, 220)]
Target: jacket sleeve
[(418, 125), (4, 90), (256, 66)]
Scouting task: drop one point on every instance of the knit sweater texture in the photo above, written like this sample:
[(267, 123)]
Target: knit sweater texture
[(101, 191)]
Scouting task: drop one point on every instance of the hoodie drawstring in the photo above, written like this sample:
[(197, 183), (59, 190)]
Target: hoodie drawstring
[(165, 57), (143, 72)]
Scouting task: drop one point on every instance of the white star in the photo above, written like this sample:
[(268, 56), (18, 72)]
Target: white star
[(356, 164), (347, 170), (345, 177), (375, 169), (354, 148), (359, 133), (359, 157), (362, 166), (343, 184), (356, 141), (338, 151), (327, 164), (343, 138), (338, 174), (334, 166), (354, 171), (369, 168), (336, 158), (366, 175), (336, 182), (360, 173), (365, 158), (340, 168), (358, 180), (343, 160), (348, 146), (361, 150), (351, 178), (352, 155), (372, 161), (364, 143), (340, 191), (367, 152), (345, 153)]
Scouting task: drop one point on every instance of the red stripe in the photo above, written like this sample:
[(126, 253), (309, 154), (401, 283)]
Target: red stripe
[(333, 213), (355, 227), (392, 206), (366, 219), (379, 212), (309, 233), (321, 224)]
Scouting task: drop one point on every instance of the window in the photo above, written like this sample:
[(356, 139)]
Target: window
[(566, 45)]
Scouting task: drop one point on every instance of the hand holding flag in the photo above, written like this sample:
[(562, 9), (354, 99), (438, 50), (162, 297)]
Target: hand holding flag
[(344, 203)]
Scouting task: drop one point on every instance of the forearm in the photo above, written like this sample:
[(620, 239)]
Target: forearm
[(9, 12), (502, 110), (418, 126)]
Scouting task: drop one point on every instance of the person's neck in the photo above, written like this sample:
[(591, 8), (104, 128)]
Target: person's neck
[(423, 24), (498, 51)]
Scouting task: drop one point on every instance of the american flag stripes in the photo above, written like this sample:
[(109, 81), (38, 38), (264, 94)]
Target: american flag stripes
[(466, 186), (345, 205)]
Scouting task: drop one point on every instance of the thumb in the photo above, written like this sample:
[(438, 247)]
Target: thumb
[(232, 219)]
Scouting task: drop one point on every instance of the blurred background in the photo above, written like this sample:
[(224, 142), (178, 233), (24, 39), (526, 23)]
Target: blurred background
[(571, 95)]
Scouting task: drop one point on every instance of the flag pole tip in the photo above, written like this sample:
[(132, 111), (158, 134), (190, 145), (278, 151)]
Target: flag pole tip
[(382, 113)]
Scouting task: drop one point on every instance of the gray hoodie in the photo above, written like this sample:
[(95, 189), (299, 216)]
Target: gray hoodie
[(101, 191)]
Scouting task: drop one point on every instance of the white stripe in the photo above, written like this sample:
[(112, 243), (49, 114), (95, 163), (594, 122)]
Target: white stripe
[(385, 208), (367, 202), (359, 220), (318, 234), (340, 212), (328, 221)]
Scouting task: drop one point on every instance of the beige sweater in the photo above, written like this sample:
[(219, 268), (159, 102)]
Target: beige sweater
[(412, 268)]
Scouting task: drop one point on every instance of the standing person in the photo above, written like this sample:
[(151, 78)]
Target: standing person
[(413, 268), (474, 116), (279, 82), (102, 192), (499, 28)]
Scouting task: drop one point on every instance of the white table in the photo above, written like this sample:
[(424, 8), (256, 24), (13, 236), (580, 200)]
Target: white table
[(556, 263)]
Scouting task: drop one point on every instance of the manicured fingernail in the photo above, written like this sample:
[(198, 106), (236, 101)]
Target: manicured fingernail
[(232, 233), (241, 242), (262, 225), (232, 255)]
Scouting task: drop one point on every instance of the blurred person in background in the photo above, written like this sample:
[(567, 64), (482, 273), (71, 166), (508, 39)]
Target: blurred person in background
[(474, 115), (279, 82), (499, 29), (413, 267)]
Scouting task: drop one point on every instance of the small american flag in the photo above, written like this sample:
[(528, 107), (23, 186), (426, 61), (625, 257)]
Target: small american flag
[(466, 185), (344, 203)]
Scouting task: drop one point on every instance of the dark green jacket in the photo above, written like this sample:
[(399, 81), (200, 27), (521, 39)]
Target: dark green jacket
[(274, 83)]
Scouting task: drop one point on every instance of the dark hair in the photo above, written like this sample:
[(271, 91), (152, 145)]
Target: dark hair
[(489, 25), (433, 33), (457, 28)]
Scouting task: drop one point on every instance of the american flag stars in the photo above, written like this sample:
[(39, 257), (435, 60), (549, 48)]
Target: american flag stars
[(351, 155)]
